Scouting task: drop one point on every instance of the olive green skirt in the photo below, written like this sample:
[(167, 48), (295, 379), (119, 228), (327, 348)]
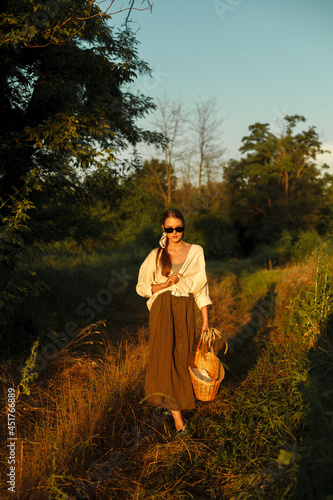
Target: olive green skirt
[(171, 335)]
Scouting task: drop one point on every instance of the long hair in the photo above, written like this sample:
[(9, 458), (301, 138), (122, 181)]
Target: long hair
[(162, 253)]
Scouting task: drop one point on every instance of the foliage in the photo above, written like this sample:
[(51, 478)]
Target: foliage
[(17, 280), (156, 177), (63, 99), (64, 109), (307, 243), (277, 186), (314, 478), (141, 207), (306, 465), (30, 363), (83, 211), (215, 235), (284, 246)]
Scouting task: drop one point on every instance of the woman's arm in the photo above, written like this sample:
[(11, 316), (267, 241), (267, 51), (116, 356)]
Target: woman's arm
[(171, 280), (204, 312), (157, 288)]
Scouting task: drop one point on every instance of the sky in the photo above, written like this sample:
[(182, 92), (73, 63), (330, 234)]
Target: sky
[(261, 60)]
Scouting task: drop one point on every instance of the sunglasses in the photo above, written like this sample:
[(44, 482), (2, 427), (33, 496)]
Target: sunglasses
[(172, 229)]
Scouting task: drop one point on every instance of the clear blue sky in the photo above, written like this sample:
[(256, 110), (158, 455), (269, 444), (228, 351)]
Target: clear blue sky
[(262, 59)]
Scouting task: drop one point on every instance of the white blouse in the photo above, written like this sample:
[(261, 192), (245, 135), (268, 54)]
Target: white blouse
[(194, 278)]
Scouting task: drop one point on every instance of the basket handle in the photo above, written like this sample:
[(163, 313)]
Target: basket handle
[(211, 345), (214, 369)]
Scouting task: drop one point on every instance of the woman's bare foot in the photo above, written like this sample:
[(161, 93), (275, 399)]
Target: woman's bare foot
[(179, 423)]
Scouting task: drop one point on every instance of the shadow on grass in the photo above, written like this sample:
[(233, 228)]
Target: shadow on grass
[(78, 291), (308, 475), (246, 346)]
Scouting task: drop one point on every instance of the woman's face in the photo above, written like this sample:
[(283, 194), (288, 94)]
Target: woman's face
[(171, 222)]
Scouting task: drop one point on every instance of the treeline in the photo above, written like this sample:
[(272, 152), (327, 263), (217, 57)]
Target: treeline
[(275, 200)]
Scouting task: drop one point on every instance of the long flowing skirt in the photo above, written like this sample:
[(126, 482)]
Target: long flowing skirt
[(171, 335)]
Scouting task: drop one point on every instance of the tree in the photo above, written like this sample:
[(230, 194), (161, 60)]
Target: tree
[(63, 109), (206, 147), (156, 178), (141, 207), (277, 186), (170, 123), (62, 102), (63, 106)]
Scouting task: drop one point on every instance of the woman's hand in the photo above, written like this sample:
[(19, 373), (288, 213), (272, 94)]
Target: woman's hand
[(172, 279)]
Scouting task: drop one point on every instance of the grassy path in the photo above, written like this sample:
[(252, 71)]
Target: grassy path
[(83, 432)]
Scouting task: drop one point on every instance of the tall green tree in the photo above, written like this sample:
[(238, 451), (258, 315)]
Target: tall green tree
[(64, 108), (277, 185), (63, 102)]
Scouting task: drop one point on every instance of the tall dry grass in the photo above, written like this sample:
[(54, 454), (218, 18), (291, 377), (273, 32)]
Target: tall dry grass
[(76, 414)]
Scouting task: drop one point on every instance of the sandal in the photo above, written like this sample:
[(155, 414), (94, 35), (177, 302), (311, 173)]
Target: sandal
[(183, 432)]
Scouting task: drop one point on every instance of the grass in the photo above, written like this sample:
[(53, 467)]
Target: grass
[(77, 286), (82, 431), (74, 413)]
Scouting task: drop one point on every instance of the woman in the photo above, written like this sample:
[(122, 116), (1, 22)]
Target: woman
[(173, 277)]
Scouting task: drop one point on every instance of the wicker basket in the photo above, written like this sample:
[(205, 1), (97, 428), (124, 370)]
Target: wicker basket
[(207, 360)]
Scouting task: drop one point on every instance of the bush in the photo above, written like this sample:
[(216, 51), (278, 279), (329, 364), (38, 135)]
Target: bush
[(307, 242), (284, 247), (217, 237)]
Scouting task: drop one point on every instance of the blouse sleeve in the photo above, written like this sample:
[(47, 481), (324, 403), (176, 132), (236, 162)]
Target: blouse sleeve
[(146, 277), (202, 298)]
